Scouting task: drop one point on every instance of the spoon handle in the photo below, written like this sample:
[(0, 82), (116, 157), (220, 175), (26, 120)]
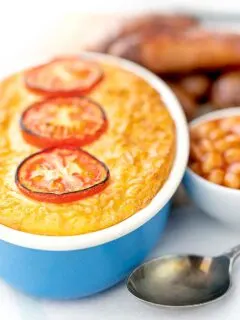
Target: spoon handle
[(233, 253)]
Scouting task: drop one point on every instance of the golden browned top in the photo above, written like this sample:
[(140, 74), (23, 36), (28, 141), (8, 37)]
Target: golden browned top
[(138, 148)]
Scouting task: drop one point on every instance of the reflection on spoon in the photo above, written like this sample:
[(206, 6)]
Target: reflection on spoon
[(181, 281)]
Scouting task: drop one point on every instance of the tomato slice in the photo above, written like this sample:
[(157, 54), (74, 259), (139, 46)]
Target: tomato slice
[(64, 76), (54, 121), (60, 175)]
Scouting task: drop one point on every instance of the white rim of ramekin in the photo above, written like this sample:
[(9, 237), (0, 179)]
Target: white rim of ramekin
[(218, 114), (66, 243)]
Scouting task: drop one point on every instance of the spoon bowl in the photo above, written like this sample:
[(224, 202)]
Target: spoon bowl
[(184, 280)]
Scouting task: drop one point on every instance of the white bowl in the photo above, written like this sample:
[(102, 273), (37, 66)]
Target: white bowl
[(217, 201)]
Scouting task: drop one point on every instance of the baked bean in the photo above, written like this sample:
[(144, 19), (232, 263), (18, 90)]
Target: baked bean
[(196, 153), (216, 176), (203, 130), (206, 145), (233, 140), (230, 141), (196, 167), (216, 134), (212, 160), (232, 155), (215, 151), (236, 129), (221, 145), (234, 168), (227, 124), (232, 180)]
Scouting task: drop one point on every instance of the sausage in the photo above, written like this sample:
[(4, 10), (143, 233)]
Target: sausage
[(185, 51), (158, 22), (226, 90), (147, 24), (186, 101), (196, 85)]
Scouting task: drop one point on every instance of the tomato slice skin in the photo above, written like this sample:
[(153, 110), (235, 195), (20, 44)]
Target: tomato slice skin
[(46, 114), (25, 170), (46, 79)]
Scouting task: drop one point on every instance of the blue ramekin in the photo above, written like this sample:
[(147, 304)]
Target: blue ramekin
[(78, 266)]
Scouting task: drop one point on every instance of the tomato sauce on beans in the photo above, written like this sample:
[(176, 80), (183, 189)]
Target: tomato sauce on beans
[(215, 151)]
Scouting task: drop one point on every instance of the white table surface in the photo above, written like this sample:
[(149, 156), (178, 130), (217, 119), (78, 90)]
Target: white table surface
[(26, 36)]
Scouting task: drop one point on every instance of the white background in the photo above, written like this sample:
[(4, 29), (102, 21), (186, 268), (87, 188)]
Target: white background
[(29, 29), (117, 5)]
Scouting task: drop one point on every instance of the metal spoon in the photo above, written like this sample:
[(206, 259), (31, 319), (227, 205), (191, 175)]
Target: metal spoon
[(183, 281)]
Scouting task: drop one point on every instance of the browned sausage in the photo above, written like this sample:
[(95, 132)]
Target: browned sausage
[(196, 85), (181, 52), (226, 90), (147, 24), (158, 22), (186, 101)]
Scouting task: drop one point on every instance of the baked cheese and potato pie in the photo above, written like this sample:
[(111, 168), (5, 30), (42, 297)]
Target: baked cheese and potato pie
[(84, 146)]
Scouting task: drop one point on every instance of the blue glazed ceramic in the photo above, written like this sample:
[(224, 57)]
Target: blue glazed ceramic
[(77, 266), (79, 273)]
